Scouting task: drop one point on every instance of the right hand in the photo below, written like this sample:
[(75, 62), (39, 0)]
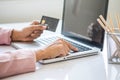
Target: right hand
[(28, 33), (57, 49)]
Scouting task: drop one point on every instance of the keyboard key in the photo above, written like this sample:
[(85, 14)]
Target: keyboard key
[(52, 39)]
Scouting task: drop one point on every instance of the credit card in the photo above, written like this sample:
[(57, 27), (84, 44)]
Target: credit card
[(50, 22)]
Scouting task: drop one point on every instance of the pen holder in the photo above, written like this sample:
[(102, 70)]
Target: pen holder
[(113, 47)]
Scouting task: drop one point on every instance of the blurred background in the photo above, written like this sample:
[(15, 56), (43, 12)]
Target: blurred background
[(12, 11)]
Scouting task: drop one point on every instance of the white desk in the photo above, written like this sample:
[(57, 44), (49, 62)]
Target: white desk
[(87, 68)]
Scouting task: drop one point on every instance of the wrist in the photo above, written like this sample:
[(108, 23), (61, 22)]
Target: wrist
[(39, 54), (15, 35)]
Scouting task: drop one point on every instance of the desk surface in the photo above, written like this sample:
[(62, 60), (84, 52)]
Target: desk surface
[(90, 68), (87, 68)]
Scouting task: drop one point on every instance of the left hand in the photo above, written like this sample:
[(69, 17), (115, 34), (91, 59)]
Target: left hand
[(57, 49), (28, 33)]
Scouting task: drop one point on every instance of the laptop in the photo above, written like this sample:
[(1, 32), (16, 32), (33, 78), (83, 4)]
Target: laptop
[(79, 27)]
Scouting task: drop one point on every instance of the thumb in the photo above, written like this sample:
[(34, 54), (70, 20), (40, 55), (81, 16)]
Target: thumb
[(28, 39), (38, 27)]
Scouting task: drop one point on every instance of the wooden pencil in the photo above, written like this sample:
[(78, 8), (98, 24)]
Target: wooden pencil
[(107, 28)]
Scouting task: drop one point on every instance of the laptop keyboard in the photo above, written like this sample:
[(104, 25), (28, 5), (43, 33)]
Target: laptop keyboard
[(80, 47), (47, 41)]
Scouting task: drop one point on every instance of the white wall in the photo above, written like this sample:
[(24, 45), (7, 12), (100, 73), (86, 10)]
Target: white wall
[(27, 10), (114, 8)]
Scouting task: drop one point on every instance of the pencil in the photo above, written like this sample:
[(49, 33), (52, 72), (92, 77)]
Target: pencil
[(106, 27)]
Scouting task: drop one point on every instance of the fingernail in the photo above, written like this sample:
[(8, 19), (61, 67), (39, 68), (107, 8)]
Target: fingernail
[(47, 27), (76, 49), (44, 27)]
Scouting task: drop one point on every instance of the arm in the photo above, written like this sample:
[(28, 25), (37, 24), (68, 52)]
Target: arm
[(21, 61), (16, 62), (28, 33), (5, 35)]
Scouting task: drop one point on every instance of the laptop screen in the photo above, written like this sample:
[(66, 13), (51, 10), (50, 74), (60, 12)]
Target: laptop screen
[(79, 20)]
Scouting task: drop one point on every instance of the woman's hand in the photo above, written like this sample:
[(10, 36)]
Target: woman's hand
[(57, 49), (28, 33)]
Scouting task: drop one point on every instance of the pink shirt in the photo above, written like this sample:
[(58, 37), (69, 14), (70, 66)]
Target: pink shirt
[(15, 62)]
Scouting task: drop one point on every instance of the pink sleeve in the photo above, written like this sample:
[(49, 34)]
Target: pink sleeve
[(5, 36), (16, 62)]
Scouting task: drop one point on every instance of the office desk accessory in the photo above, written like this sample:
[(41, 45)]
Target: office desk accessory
[(113, 38)]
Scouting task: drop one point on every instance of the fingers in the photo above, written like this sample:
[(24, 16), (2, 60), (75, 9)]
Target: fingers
[(31, 37), (71, 47), (33, 31), (65, 47), (34, 35), (63, 50), (38, 32), (38, 27), (58, 49), (27, 39)]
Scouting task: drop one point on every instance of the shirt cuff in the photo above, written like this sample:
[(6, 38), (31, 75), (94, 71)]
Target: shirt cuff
[(5, 36)]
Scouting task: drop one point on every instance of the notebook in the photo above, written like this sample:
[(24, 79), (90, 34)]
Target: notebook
[(79, 27)]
